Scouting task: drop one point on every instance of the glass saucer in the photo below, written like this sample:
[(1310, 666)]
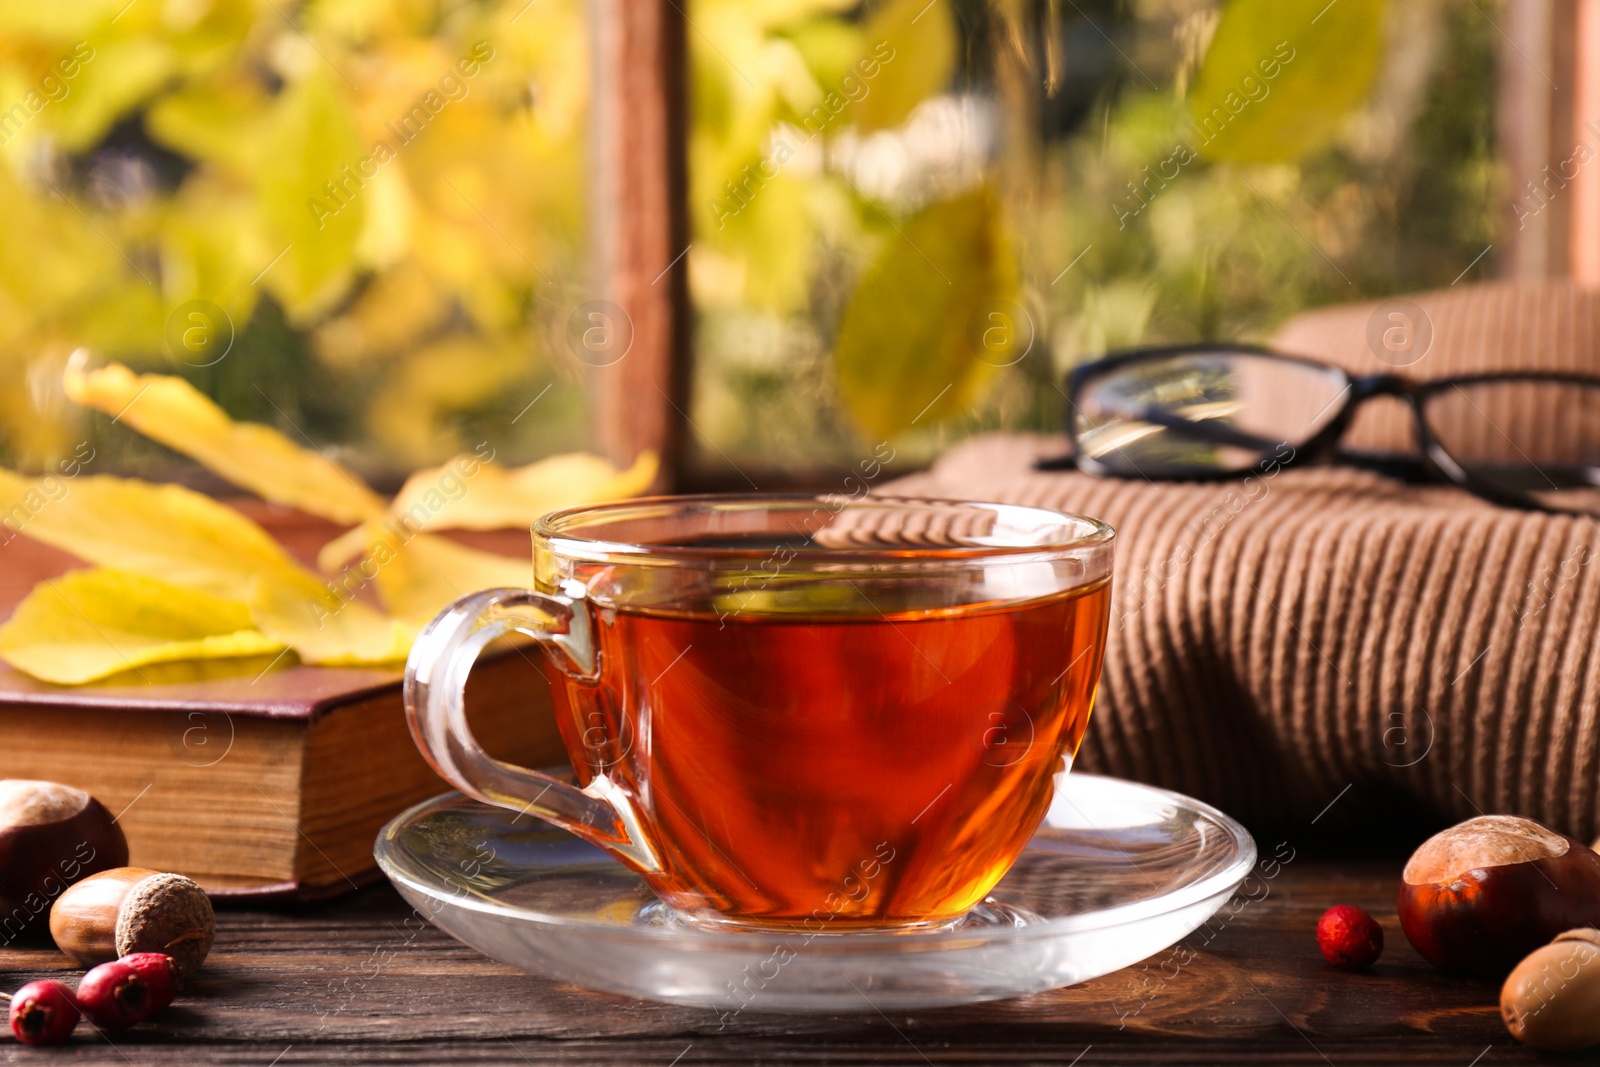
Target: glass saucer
[(1117, 872)]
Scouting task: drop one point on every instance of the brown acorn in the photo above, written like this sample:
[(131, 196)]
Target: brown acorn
[(1551, 1000), (51, 835), (1483, 894), (133, 909)]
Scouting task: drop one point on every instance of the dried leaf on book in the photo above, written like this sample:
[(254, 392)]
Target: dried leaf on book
[(469, 493), (328, 628), (90, 624), (492, 497), (185, 538), (429, 572), (174, 551)]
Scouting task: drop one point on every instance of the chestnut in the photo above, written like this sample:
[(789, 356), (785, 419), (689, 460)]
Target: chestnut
[(132, 909), (1551, 1000), (51, 835), (1481, 895)]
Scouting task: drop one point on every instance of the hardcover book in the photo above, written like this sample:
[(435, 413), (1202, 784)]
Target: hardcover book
[(254, 778)]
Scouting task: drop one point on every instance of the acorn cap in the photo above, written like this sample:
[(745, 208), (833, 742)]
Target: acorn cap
[(167, 913)]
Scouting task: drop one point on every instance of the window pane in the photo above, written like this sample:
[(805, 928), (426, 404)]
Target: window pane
[(910, 219)]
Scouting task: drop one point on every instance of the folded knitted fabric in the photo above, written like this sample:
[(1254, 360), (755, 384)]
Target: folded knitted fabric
[(1327, 640)]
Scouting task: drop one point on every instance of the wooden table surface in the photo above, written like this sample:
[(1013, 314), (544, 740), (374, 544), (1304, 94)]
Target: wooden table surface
[(352, 982)]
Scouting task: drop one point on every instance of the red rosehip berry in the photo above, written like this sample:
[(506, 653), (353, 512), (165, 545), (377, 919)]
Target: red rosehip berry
[(1349, 937), (160, 974), (113, 996), (43, 1013)]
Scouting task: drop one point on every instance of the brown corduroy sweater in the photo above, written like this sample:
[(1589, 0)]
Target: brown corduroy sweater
[(1277, 640)]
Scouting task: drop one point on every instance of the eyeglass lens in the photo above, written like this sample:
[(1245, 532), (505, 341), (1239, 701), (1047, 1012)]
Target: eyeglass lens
[(1202, 412), (1538, 439)]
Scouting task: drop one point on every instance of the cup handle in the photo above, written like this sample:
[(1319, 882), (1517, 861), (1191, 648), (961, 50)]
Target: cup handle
[(435, 690)]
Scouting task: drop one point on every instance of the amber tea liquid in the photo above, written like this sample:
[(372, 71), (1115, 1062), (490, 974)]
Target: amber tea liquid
[(838, 770)]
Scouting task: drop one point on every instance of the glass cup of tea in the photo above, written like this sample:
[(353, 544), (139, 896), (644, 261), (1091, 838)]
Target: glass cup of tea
[(829, 713)]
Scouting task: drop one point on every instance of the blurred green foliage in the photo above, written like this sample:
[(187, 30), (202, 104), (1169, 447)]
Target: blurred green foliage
[(374, 200), (1362, 165), (393, 243)]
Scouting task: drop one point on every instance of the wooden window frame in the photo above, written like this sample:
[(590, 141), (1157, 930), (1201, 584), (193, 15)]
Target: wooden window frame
[(639, 225), (1548, 103), (640, 234)]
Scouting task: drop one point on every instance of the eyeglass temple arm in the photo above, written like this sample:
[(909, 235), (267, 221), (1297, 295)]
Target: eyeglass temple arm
[(1531, 478), (1512, 476)]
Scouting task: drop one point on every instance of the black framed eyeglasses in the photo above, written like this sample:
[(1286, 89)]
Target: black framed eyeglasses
[(1528, 440)]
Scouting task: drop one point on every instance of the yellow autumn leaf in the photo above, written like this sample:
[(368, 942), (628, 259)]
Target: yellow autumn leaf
[(89, 624), (220, 121), (915, 43), (466, 494), (426, 572), (470, 494), (310, 139), (210, 250), (183, 537), (254, 457), (164, 531), (115, 77), (1279, 80), (327, 628), (323, 621), (830, 47), (770, 236), (57, 23), (917, 342)]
